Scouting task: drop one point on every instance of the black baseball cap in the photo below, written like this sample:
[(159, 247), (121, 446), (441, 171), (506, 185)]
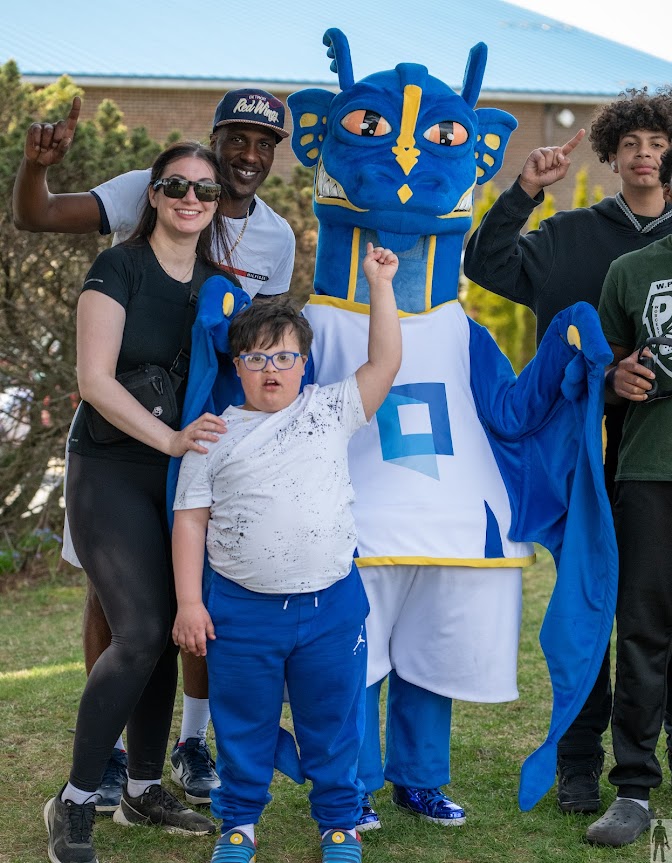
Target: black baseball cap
[(250, 105)]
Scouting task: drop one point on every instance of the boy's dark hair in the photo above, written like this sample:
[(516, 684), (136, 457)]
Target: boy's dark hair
[(665, 170), (633, 110), (265, 323)]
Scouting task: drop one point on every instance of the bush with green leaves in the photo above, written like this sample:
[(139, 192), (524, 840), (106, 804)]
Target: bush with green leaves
[(294, 201), (40, 278)]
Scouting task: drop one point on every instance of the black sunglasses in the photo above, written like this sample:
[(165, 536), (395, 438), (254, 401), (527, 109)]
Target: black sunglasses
[(173, 187)]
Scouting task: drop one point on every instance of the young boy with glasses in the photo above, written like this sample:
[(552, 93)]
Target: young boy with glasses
[(274, 497)]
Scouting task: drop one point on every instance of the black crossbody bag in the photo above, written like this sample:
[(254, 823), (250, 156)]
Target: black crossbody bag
[(152, 385)]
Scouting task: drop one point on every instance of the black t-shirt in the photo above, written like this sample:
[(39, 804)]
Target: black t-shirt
[(156, 307)]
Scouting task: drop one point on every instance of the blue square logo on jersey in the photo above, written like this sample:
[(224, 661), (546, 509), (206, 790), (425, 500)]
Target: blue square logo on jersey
[(414, 427)]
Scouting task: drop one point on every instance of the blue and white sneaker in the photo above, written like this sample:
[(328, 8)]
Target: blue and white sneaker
[(340, 847), (192, 767), (369, 819), (234, 847), (112, 783), (430, 804)]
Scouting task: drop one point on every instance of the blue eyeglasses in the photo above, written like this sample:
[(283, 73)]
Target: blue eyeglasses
[(282, 360)]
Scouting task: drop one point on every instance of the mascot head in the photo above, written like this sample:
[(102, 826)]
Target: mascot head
[(399, 151)]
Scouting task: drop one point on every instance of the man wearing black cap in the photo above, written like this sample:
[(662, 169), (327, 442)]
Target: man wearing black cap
[(247, 126)]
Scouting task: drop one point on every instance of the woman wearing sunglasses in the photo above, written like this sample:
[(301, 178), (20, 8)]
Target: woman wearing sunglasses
[(133, 310)]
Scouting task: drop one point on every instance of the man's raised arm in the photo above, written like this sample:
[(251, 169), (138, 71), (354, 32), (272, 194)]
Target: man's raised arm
[(34, 207)]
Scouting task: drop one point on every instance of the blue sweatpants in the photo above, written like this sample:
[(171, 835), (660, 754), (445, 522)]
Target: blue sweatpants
[(317, 643)]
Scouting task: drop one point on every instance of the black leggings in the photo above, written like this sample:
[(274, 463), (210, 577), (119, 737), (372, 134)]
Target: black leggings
[(117, 515)]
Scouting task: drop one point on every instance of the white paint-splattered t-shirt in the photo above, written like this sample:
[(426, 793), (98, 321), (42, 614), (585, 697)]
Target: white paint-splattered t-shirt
[(279, 492)]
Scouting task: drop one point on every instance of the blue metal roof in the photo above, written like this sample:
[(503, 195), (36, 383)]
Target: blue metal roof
[(263, 40)]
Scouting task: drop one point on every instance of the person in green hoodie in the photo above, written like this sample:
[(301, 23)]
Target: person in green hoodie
[(636, 315), (566, 260)]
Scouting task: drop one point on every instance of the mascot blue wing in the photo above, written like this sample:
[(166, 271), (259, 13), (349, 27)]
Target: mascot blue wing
[(211, 386), (550, 457)]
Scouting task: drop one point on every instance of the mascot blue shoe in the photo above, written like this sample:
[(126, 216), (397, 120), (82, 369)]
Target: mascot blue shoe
[(430, 804)]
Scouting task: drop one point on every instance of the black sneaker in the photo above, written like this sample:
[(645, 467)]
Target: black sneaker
[(158, 807), (112, 784), (192, 767), (579, 784), (70, 826)]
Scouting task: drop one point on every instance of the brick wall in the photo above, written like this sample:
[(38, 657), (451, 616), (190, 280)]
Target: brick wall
[(191, 110)]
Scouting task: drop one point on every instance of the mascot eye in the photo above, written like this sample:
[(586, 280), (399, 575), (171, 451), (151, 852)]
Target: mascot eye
[(449, 133), (368, 124)]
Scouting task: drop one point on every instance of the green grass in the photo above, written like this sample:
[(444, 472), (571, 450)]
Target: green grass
[(41, 677)]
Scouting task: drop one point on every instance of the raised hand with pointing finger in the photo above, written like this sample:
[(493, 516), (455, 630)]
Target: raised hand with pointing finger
[(47, 143), (34, 207), (546, 165)]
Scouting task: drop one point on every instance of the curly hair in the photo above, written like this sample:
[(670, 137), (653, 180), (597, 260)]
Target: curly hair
[(633, 110), (665, 170)]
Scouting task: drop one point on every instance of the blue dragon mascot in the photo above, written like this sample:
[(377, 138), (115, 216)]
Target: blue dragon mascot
[(465, 464)]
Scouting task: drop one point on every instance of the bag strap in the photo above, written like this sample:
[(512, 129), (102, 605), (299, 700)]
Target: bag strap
[(656, 340), (180, 366)]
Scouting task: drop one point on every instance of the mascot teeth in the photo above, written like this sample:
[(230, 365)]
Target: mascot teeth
[(466, 202), (327, 187)]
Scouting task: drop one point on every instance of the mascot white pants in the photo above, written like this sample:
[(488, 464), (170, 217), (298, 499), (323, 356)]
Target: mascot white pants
[(439, 633)]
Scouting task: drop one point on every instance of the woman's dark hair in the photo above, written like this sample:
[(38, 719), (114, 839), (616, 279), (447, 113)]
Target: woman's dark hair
[(632, 111), (215, 235), (665, 170), (265, 323)]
